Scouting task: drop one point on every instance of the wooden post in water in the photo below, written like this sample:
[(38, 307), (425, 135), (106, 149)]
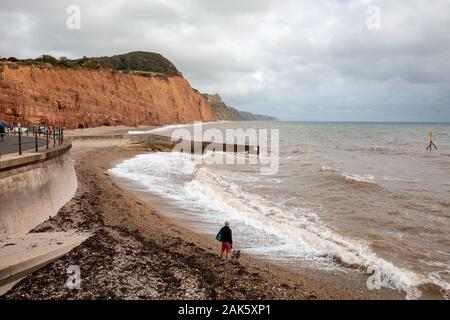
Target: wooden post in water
[(431, 145)]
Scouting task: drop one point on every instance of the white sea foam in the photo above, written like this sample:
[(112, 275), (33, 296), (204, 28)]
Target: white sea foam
[(158, 130), (175, 176), (327, 168), (359, 178), (388, 178), (300, 232), (167, 128), (367, 178), (437, 278)]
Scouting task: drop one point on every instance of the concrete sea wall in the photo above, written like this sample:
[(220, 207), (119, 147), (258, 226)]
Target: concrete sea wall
[(34, 187)]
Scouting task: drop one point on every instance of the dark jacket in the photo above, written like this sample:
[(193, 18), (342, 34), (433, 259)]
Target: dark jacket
[(225, 232)]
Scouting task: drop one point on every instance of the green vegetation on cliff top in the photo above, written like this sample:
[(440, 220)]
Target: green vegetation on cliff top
[(224, 112), (140, 63), (137, 61)]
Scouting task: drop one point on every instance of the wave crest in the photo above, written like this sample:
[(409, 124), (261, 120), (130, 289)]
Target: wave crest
[(304, 232)]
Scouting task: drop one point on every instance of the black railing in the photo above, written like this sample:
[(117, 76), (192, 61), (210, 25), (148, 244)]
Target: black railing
[(20, 139)]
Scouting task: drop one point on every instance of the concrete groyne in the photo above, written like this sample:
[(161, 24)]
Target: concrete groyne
[(34, 187), (156, 142)]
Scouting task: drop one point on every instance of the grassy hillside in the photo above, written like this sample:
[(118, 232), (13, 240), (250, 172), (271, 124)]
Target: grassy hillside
[(224, 112), (138, 61)]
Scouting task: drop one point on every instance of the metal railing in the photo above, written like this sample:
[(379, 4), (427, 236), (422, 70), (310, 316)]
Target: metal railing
[(31, 137)]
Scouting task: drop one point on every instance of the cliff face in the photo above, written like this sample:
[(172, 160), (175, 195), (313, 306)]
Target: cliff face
[(222, 111), (78, 98)]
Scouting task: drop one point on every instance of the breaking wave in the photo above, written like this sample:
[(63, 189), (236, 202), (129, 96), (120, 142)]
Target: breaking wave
[(176, 176), (348, 177)]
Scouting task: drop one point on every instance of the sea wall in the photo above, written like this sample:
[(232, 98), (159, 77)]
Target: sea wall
[(34, 187)]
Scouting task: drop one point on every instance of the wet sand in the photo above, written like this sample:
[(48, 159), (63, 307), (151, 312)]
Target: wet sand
[(136, 252)]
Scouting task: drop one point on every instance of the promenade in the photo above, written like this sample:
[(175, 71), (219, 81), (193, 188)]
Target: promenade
[(10, 144)]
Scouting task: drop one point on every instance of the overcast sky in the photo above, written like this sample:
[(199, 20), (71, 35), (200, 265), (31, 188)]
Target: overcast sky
[(298, 60)]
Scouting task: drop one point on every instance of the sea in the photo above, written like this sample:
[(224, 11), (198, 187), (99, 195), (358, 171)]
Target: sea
[(345, 196)]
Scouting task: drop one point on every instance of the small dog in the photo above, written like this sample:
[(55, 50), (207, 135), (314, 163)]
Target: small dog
[(235, 254)]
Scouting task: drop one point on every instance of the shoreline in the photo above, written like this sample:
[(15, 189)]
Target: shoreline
[(137, 252), (353, 280)]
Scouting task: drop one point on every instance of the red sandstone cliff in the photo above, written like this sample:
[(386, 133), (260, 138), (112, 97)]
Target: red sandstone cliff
[(87, 98)]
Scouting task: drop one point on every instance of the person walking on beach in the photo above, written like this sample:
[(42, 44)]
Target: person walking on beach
[(225, 236), (2, 130)]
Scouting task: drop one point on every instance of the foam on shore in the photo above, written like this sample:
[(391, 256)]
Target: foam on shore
[(168, 128), (176, 177)]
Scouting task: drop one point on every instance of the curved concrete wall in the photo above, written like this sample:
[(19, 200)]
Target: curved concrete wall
[(33, 191)]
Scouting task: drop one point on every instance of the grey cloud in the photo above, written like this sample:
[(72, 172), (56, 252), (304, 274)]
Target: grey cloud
[(299, 60)]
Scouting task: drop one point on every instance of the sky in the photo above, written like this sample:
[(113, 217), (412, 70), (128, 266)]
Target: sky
[(299, 60)]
